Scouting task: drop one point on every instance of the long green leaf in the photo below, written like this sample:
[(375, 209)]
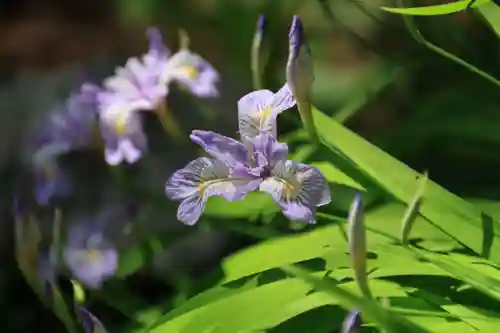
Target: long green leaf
[(459, 218)]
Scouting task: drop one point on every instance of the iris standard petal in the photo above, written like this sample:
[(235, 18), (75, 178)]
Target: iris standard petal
[(227, 150), (199, 180), (258, 110), (298, 189), (283, 99)]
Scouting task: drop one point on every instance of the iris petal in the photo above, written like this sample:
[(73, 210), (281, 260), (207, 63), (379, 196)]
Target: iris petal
[(298, 189), (257, 111), (193, 72), (199, 180), (227, 150)]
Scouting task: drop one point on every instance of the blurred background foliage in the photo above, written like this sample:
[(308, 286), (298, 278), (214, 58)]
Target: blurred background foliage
[(370, 74)]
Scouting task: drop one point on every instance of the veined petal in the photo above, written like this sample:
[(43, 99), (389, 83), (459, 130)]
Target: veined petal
[(254, 114), (225, 149), (298, 189), (283, 99), (271, 150), (258, 110), (199, 180)]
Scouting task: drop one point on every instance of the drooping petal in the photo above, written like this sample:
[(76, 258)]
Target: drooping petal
[(258, 110), (227, 150), (298, 189), (199, 180), (124, 139), (193, 72)]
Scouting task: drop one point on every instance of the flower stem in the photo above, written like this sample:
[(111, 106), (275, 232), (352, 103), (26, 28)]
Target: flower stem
[(307, 119), (169, 123)]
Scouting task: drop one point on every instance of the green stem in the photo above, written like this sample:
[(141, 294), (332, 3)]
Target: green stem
[(415, 33), (307, 119), (169, 123)]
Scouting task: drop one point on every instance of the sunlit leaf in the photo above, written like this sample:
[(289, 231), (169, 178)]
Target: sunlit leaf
[(455, 216), (442, 9)]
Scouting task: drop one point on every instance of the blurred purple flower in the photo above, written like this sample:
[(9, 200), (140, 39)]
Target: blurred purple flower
[(89, 256), (89, 322), (142, 84), (70, 123), (68, 127), (241, 167), (139, 83), (51, 181), (258, 110)]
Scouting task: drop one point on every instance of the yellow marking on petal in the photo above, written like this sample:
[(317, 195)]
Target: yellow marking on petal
[(92, 255), (203, 186), (120, 123), (261, 116), (191, 72), (291, 187)]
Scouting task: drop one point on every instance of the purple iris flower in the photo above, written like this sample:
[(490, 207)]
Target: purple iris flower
[(237, 168), (68, 127), (142, 84), (88, 255)]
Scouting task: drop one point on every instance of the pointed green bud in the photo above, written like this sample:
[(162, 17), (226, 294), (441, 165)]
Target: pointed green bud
[(413, 210), (357, 243), (257, 55)]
